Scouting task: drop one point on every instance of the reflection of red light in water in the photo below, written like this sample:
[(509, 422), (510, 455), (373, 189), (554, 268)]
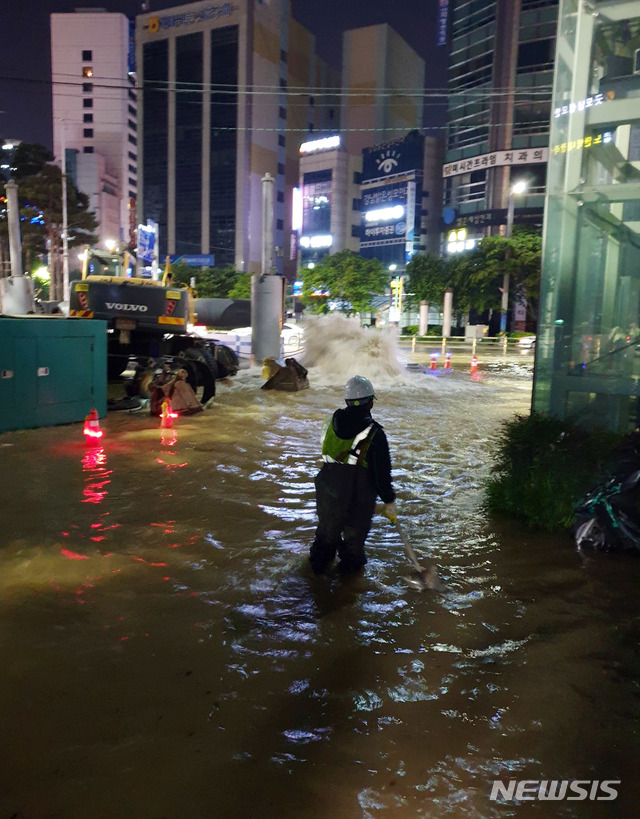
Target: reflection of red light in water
[(73, 555), (169, 437), (94, 461)]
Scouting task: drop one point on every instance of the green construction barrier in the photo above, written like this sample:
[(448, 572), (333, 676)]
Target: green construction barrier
[(53, 370)]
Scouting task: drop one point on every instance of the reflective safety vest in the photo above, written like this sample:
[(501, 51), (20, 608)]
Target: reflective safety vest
[(351, 451)]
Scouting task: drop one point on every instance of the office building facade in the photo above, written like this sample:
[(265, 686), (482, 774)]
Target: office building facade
[(500, 78), (327, 199), (215, 116), (95, 114), (382, 87)]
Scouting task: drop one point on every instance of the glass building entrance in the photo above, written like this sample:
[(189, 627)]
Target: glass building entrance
[(588, 357)]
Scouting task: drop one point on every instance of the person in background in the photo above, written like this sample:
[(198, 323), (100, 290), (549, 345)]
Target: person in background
[(356, 470)]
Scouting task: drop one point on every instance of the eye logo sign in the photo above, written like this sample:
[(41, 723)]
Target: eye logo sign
[(388, 160)]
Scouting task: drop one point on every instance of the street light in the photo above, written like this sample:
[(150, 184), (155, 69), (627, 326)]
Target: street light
[(516, 189)]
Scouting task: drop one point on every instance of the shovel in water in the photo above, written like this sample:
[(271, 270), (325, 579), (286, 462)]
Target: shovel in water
[(421, 578)]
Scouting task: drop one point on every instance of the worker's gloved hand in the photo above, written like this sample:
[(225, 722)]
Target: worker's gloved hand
[(390, 512)]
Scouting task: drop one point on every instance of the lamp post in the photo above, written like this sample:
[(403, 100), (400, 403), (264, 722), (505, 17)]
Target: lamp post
[(516, 189)]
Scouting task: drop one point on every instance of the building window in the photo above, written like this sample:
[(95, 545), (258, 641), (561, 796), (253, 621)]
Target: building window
[(132, 156), (312, 100), (87, 71), (355, 231), (282, 140), (132, 111), (87, 103), (87, 56), (87, 87), (133, 140), (88, 149), (132, 182), (283, 56), (283, 83), (282, 112), (132, 194), (279, 224), (357, 177), (280, 196), (133, 169), (280, 167), (87, 132), (356, 204), (132, 125), (132, 96), (87, 117)]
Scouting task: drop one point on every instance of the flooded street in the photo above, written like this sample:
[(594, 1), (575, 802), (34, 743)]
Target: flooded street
[(167, 652)]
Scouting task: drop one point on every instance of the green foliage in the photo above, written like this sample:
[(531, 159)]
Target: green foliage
[(242, 288), (349, 279), (29, 159), (477, 276), (211, 282), (429, 277), (543, 466), (40, 198)]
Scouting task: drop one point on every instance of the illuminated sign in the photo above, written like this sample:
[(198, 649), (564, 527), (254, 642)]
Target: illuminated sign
[(526, 156), (578, 107), (324, 144), (585, 142), (443, 15), (385, 214), (156, 24), (393, 223), (316, 241), (457, 241)]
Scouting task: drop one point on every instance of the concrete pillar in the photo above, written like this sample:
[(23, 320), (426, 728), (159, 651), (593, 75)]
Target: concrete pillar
[(423, 321), (447, 312), (267, 290)]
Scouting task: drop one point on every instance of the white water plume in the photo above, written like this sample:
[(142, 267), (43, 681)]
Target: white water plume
[(337, 348)]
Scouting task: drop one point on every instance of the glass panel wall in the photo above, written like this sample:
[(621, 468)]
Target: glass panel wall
[(588, 358)]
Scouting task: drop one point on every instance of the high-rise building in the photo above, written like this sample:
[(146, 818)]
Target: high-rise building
[(500, 77), (382, 87), (400, 199), (226, 96), (94, 114)]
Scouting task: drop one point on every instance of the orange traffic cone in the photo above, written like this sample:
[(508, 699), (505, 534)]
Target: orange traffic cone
[(433, 365), (92, 429), (474, 364), (447, 362), (166, 415)]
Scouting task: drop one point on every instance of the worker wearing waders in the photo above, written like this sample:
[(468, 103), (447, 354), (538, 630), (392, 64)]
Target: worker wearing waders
[(356, 469)]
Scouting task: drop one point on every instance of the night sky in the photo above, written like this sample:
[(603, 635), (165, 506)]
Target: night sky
[(25, 73)]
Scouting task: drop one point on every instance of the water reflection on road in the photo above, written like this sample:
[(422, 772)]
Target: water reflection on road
[(167, 653)]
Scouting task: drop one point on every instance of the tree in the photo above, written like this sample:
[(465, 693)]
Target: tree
[(348, 279), (29, 159), (242, 288), (41, 206), (477, 276), (429, 277), (211, 282)]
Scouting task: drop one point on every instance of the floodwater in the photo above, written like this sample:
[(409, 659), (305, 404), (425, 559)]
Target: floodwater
[(167, 652)]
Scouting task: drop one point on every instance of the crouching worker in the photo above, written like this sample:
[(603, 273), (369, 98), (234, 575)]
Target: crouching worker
[(357, 468)]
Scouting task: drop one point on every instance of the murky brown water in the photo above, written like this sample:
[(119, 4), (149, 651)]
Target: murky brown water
[(167, 653)]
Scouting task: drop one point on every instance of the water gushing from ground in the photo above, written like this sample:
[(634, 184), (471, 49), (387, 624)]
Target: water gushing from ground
[(168, 653)]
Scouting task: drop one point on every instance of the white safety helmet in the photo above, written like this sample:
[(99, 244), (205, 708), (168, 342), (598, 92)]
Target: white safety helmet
[(358, 388)]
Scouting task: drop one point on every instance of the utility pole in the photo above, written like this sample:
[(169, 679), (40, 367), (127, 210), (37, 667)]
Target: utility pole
[(13, 218), (267, 290), (65, 226)]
